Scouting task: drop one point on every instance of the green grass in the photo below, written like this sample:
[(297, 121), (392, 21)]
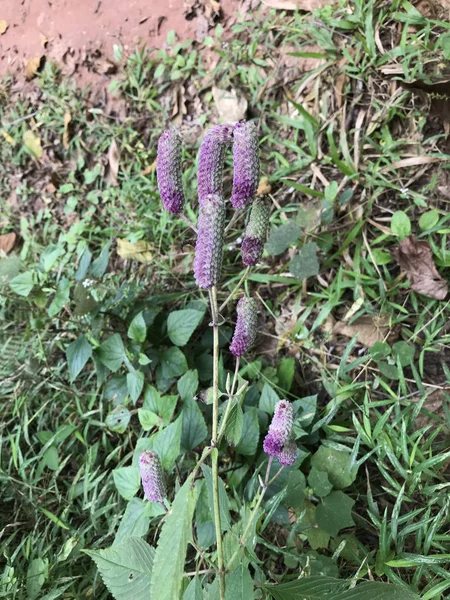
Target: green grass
[(337, 176)]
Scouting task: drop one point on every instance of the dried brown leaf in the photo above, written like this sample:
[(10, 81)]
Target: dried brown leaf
[(7, 242), (264, 187), (369, 329), (230, 106), (3, 26), (149, 169), (141, 251), (307, 5), (113, 158), (32, 66), (416, 260), (66, 134), (7, 137)]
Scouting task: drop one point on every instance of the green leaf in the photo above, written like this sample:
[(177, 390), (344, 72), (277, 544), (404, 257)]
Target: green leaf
[(51, 458), (400, 224), (235, 422), (381, 257), (22, 284), (319, 482), (335, 513), (37, 573), (100, 264), (167, 444), (250, 433), (194, 430), (172, 545), (337, 464), (116, 389), (135, 521), (78, 353), (194, 590), (127, 481), (172, 363), (305, 264), (379, 350), (137, 330), (61, 298), (388, 370), (163, 406), (117, 420), (281, 238), (112, 352), (239, 584), (369, 590), (181, 324), (135, 384), (223, 498), (428, 220), (306, 409), (126, 568), (147, 419), (188, 385), (285, 372), (403, 353), (268, 399)]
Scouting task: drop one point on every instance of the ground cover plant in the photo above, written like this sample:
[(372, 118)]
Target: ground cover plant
[(106, 338)]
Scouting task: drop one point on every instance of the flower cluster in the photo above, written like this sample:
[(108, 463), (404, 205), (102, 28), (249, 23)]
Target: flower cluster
[(211, 160), (152, 476), (168, 170), (278, 441), (209, 246), (246, 164), (255, 232), (245, 330)]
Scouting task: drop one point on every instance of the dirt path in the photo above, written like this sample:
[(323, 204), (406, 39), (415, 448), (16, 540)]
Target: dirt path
[(80, 34)]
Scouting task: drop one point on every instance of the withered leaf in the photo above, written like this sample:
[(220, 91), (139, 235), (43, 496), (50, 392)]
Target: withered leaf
[(32, 67), (415, 258), (7, 241), (33, 143), (3, 26), (113, 159), (140, 251), (230, 106), (369, 329), (264, 187), (66, 134)]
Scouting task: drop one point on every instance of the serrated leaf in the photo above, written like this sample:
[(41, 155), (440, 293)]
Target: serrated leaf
[(268, 399), (112, 352), (369, 590), (135, 521), (172, 363), (163, 406), (172, 545), (239, 584), (167, 444), (335, 513), (188, 384), (137, 329), (296, 485), (337, 464), (127, 481), (281, 238), (117, 420), (194, 430), (250, 433), (37, 573), (306, 263), (78, 353), (223, 498), (194, 590), (126, 568), (181, 324), (235, 422)]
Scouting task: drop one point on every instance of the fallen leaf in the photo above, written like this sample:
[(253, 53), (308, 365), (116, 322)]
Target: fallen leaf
[(3, 26), (230, 106), (32, 67), (416, 260), (149, 169), (202, 28), (264, 187), (7, 241), (140, 251), (113, 158), (66, 134), (33, 143), (369, 329), (7, 137), (308, 5)]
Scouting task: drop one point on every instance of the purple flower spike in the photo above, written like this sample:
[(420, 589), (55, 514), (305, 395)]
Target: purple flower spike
[(152, 476), (288, 454), (246, 324), (168, 171), (246, 164), (280, 429), (209, 246), (211, 160), (256, 232)]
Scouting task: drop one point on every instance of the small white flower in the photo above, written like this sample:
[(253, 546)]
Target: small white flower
[(404, 190), (88, 283)]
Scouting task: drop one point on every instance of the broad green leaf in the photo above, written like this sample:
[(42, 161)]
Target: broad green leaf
[(117, 420), (335, 513), (188, 385), (126, 568), (250, 433), (285, 372), (51, 458), (22, 284), (172, 363), (137, 330), (181, 324), (319, 482), (306, 409), (403, 353), (98, 267), (305, 264), (281, 238), (78, 353), (337, 464), (163, 406), (223, 498), (428, 220), (400, 224), (127, 481), (376, 590), (239, 584), (268, 399), (296, 485), (172, 545), (147, 419), (194, 590), (37, 573), (135, 384), (194, 430), (235, 422), (167, 444), (380, 350), (112, 352), (116, 389), (135, 521), (61, 298)]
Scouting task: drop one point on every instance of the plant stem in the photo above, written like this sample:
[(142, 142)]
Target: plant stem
[(187, 221), (241, 281), (236, 372), (214, 441)]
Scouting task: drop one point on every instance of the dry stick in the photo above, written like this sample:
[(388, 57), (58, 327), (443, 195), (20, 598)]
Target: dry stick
[(214, 440), (241, 281)]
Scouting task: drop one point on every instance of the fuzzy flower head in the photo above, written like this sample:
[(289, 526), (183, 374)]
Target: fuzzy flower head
[(152, 476), (209, 246), (280, 428), (211, 160), (256, 232), (168, 171), (288, 454), (246, 324), (246, 164)]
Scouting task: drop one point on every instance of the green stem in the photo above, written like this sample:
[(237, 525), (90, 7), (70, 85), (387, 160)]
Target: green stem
[(241, 281), (227, 411), (214, 441)]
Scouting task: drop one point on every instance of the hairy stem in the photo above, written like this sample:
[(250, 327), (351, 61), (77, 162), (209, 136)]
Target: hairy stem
[(189, 223), (230, 297), (214, 441)]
